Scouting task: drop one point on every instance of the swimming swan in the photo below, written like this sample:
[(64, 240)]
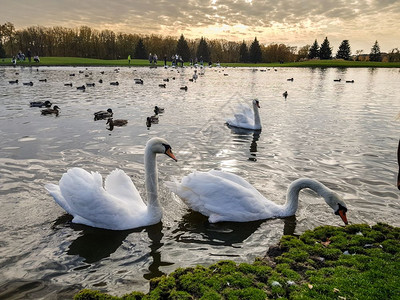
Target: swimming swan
[(117, 205), (247, 118), (225, 196)]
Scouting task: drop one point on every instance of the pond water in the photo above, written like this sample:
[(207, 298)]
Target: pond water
[(343, 134)]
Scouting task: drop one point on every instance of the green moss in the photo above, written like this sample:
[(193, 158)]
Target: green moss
[(352, 262)]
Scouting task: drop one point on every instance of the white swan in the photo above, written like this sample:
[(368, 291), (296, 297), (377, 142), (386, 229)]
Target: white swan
[(117, 206), (225, 196), (247, 118)]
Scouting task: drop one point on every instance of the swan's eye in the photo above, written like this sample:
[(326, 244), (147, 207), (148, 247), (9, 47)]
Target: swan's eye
[(166, 146), (341, 208)]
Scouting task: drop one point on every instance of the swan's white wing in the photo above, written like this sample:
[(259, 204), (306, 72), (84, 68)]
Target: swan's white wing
[(221, 196), (83, 196), (244, 117), (119, 185)]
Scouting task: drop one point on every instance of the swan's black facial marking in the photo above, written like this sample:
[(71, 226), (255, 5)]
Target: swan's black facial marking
[(341, 208), (166, 146)]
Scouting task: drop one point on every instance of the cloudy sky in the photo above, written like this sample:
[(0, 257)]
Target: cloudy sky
[(292, 22)]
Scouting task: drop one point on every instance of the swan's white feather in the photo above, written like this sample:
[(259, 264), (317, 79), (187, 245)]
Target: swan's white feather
[(223, 197), (244, 118)]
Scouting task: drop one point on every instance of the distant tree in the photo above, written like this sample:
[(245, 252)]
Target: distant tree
[(394, 55), (182, 48), (255, 54), (140, 50), (375, 54), (344, 50), (243, 53), (203, 50), (2, 51), (314, 50), (325, 52), (303, 52)]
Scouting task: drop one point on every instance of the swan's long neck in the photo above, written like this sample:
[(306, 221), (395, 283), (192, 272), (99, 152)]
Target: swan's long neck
[(151, 181), (257, 121), (292, 196)]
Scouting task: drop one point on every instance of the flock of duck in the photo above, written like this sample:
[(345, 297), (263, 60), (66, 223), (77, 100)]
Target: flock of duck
[(219, 195)]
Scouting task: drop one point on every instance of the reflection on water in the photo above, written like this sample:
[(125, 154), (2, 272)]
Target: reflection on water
[(345, 135)]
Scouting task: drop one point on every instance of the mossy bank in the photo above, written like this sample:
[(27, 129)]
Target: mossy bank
[(352, 262)]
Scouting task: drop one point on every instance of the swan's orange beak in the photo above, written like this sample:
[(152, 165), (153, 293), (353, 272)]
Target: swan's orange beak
[(170, 154), (342, 214)]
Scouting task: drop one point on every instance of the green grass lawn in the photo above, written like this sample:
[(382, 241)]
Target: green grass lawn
[(352, 262), (77, 61)]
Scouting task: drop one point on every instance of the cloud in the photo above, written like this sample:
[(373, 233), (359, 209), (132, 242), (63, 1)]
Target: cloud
[(294, 22)]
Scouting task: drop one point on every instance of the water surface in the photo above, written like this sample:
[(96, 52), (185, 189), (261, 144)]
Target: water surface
[(343, 134)]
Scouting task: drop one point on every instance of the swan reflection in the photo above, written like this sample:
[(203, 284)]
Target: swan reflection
[(243, 135)]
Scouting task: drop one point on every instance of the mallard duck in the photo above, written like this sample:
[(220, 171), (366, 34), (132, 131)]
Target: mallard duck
[(117, 123), (162, 85), (184, 88), (13, 81), (30, 83), (154, 119), (290, 79), (43, 80), (67, 84), (337, 80), (158, 110), (101, 115), (138, 81), (114, 83), (82, 88), (46, 103), (49, 111), (90, 84)]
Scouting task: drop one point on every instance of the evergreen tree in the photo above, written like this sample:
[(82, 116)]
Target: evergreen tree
[(314, 50), (375, 54), (325, 52), (182, 48), (255, 54), (140, 50), (203, 50), (243, 53), (2, 51), (344, 50)]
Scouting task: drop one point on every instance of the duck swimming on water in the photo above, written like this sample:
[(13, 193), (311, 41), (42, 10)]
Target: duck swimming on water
[(101, 115), (49, 111), (46, 103)]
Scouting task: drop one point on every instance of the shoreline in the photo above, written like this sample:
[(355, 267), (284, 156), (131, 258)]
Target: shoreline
[(91, 62)]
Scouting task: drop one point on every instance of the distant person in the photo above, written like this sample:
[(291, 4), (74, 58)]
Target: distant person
[(129, 59), (36, 59), (165, 60), (150, 58), (29, 55), (14, 61), (155, 58)]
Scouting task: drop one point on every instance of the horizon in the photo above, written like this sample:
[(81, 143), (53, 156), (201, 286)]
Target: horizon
[(294, 24)]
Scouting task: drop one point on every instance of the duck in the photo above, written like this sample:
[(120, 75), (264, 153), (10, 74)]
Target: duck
[(285, 94), (153, 119), (81, 88), (158, 110), (166, 79), (350, 81), (118, 122), (290, 79), (30, 83), (49, 111), (43, 80), (114, 83), (101, 115), (246, 117), (185, 88), (138, 81), (195, 76), (100, 80), (13, 81), (162, 85), (148, 122), (337, 80), (46, 103), (90, 84), (68, 84), (223, 196), (117, 205)]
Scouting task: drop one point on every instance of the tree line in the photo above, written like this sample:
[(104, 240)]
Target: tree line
[(106, 44)]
